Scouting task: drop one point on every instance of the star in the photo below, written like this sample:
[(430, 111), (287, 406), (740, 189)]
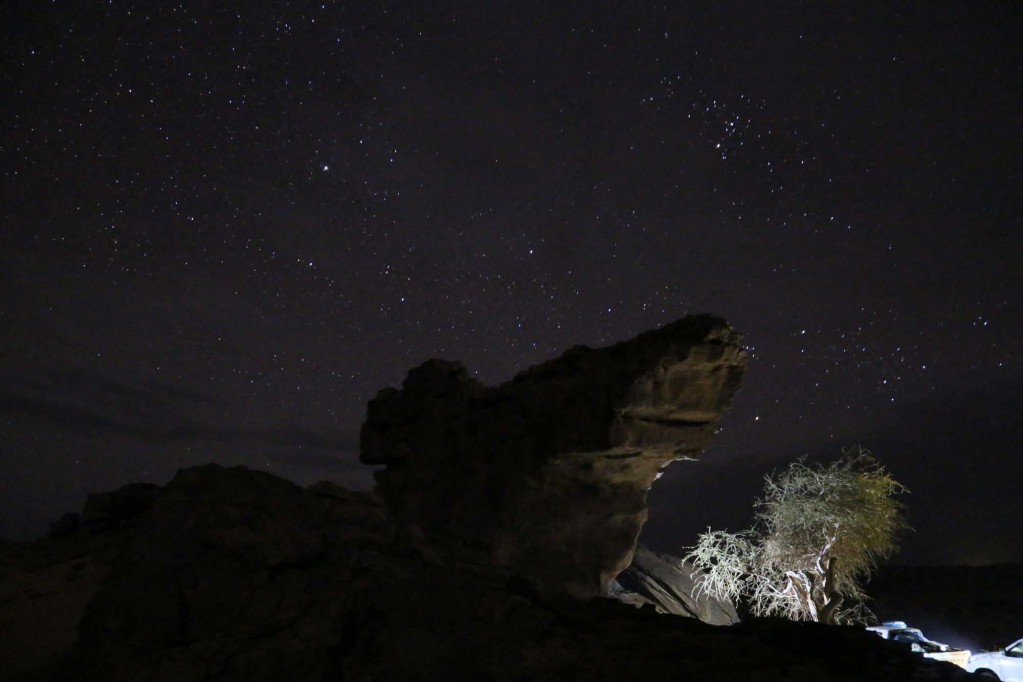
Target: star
[(479, 199)]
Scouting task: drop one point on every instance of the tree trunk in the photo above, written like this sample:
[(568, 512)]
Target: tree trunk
[(832, 599), (802, 585)]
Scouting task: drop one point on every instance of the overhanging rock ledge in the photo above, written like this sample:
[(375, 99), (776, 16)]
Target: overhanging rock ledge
[(550, 471)]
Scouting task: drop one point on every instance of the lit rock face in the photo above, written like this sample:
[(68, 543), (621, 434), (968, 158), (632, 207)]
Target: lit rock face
[(550, 471), (669, 585)]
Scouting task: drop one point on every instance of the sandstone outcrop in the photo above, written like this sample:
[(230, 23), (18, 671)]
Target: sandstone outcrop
[(550, 471), (668, 584), (496, 506)]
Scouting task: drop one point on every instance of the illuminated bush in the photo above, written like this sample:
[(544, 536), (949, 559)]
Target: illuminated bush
[(818, 534)]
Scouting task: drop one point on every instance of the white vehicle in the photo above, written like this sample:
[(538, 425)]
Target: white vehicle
[(898, 631), (1006, 664)]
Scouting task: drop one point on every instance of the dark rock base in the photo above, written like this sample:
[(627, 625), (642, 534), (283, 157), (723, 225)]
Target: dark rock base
[(230, 574)]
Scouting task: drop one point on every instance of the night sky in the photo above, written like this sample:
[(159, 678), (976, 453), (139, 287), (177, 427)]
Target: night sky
[(225, 226)]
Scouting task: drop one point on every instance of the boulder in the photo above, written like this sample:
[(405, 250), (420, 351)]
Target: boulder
[(549, 472), (669, 585)]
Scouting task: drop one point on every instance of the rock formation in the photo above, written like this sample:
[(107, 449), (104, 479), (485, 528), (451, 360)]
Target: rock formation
[(499, 503), (668, 584), (235, 575), (550, 471)]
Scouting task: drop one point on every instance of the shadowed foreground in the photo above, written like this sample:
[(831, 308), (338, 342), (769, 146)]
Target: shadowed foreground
[(230, 574), (499, 522)]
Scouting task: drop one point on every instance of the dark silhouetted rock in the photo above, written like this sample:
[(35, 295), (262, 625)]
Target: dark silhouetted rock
[(668, 583), (45, 587), (239, 576), (66, 525), (501, 503), (550, 471), (105, 511)]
